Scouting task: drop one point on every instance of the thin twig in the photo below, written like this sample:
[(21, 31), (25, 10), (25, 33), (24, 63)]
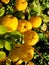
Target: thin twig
[(39, 54)]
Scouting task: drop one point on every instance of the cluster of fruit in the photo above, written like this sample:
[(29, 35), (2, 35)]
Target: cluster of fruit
[(25, 52)]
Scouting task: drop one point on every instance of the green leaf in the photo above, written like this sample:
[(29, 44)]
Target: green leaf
[(12, 2), (9, 10), (3, 30), (8, 45), (16, 34), (35, 55), (40, 61), (1, 43), (45, 18), (46, 56), (19, 14), (45, 3), (2, 55), (2, 11), (42, 37)]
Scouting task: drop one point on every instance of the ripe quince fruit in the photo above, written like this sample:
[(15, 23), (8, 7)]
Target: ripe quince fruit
[(5, 1), (36, 21), (20, 0), (26, 52), (14, 55), (21, 5), (10, 22), (24, 26), (31, 37)]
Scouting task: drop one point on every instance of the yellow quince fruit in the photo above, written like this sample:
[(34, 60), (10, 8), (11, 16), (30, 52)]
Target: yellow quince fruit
[(36, 21), (10, 22), (20, 0), (26, 52), (24, 26), (31, 37), (21, 5), (14, 55), (5, 1)]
